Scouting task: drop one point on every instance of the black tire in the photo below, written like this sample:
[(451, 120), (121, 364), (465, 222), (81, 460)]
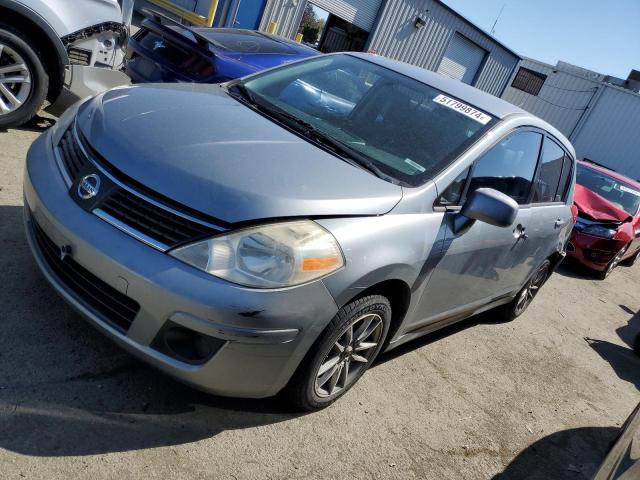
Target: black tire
[(302, 390), (525, 296), (19, 43), (630, 262), (613, 263)]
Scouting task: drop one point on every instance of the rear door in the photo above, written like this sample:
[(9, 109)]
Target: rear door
[(551, 220), (486, 262)]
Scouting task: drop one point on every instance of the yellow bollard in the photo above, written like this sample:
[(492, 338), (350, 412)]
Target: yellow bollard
[(272, 27), (299, 37)]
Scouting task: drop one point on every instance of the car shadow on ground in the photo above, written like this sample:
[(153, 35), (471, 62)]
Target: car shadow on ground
[(36, 124), (623, 360), (572, 269), (573, 454), (67, 390)]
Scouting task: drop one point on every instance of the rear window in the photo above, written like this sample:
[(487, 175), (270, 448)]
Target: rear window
[(187, 60), (624, 196), (245, 42), (410, 130)]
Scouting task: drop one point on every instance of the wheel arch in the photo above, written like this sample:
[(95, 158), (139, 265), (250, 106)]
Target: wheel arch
[(398, 293), (54, 55)]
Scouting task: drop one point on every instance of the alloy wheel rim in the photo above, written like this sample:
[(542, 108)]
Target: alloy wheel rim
[(15, 80), (530, 291), (349, 355)]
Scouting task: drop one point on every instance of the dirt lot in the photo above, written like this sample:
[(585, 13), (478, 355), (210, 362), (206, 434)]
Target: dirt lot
[(541, 397)]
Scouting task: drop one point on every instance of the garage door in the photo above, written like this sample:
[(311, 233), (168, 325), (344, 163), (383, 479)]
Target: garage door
[(361, 13), (462, 59)]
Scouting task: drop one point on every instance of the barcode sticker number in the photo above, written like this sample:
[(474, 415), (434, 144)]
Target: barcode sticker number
[(463, 108)]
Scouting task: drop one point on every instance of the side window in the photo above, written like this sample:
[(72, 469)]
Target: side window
[(452, 194), (549, 173), (565, 179), (509, 166)]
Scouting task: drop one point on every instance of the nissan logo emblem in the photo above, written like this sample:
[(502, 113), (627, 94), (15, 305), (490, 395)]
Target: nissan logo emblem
[(89, 186)]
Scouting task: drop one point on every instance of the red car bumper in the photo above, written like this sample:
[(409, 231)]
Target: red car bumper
[(593, 252)]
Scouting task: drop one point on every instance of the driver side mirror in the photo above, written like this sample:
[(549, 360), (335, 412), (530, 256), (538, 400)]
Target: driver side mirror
[(486, 205)]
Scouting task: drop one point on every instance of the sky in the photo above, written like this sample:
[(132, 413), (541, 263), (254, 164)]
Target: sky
[(601, 35)]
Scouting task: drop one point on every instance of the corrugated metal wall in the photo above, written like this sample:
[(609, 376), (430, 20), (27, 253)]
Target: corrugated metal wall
[(286, 13), (611, 133), (561, 101), (362, 13), (397, 37), (607, 132), (394, 35)]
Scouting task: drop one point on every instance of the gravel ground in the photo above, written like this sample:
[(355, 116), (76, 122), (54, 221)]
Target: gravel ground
[(541, 397)]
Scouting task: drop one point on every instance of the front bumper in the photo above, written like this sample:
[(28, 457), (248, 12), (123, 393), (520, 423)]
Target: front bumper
[(266, 333), (593, 252)]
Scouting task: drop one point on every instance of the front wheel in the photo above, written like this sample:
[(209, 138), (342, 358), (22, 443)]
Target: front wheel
[(23, 80), (343, 353), (629, 262), (613, 263), (523, 299)]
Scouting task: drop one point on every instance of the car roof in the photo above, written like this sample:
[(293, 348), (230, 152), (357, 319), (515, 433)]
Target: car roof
[(482, 100), (610, 173)]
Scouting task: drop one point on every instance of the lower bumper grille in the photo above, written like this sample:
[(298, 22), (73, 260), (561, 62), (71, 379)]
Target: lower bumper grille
[(79, 56), (110, 304)]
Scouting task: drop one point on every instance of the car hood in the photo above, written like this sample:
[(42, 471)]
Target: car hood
[(200, 147), (597, 207)]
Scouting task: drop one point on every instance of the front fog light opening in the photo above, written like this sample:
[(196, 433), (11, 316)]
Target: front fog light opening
[(186, 345)]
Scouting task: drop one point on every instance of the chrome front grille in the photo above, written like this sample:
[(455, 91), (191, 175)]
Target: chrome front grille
[(148, 219), (71, 155), (127, 205)]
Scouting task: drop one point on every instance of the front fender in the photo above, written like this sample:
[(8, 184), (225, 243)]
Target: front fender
[(388, 247)]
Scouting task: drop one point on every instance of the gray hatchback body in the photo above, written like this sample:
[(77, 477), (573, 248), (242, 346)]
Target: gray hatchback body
[(282, 230)]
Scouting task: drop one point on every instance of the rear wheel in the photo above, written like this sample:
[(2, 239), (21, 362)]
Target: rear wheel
[(613, 263), (523, 299), (23, 80), (343, 353)]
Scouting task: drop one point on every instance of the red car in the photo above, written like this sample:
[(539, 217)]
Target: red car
[(607, 232)]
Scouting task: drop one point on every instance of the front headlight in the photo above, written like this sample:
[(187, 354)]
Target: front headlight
[(268, 256), (599, 231)]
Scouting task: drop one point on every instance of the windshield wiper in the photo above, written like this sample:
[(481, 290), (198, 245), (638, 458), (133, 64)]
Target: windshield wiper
[(344, 151), (351, 155)]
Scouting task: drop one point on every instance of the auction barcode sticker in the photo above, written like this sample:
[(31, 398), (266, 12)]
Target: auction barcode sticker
[(463, 108)]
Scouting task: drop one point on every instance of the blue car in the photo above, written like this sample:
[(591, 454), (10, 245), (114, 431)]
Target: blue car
[(166, 51)]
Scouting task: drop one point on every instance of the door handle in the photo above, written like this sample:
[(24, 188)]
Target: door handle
[(559, 223)]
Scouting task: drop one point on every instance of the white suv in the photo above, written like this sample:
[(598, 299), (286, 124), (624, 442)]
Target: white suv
[(58, 51)]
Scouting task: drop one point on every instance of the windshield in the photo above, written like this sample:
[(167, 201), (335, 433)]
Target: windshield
[(622, 195), (404, 128)]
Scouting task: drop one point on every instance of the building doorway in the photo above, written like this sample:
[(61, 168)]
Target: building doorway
[(314, 20), (328, 33)]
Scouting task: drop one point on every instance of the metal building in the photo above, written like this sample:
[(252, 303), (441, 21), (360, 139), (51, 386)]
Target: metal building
[(600, 114), (426, 33)]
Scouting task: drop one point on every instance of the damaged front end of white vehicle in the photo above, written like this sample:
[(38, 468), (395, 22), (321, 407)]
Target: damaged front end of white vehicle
[(96, 53)]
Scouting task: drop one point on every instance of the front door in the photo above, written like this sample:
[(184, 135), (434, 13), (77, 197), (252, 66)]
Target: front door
[(486, 262), (249, 13)]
